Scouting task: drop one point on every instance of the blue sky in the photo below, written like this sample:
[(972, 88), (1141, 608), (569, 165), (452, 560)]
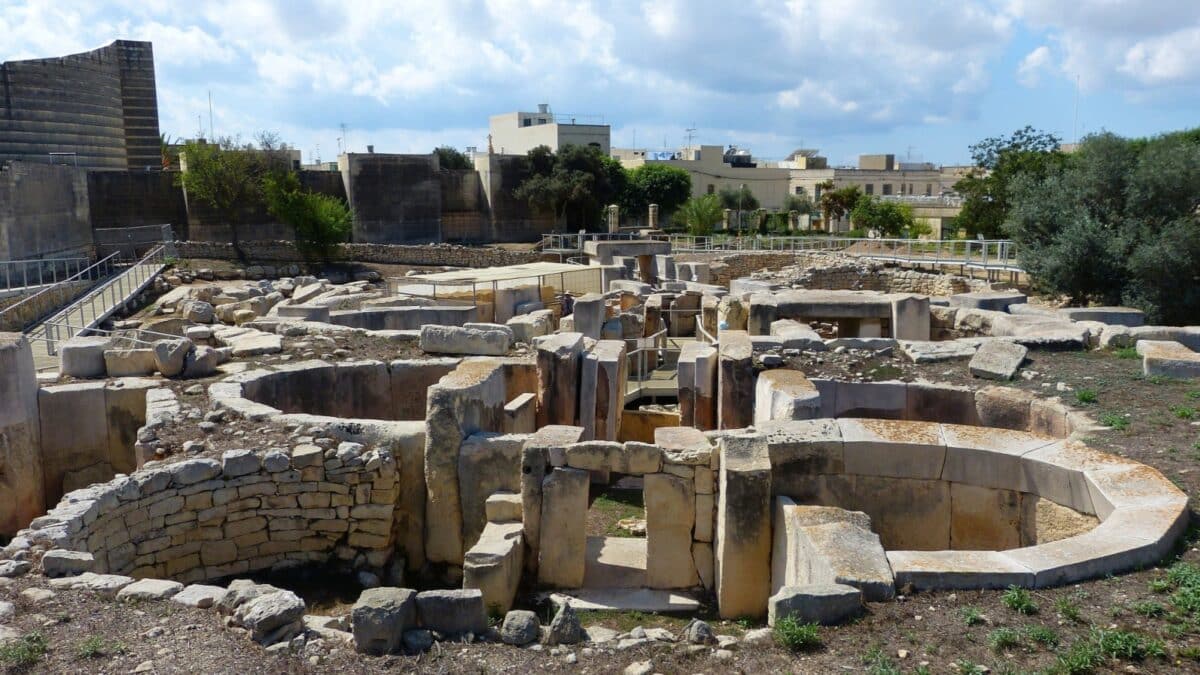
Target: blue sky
[(924, 79)]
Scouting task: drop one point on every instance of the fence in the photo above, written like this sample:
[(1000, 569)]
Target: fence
[(132, 241), (549, 286), (34, 273)]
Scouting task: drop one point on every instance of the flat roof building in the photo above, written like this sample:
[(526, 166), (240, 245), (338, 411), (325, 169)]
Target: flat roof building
[(714, 168), (517, 133)]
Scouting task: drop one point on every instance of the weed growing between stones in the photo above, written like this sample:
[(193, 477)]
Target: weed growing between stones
[(1020, 601), (1086, 396), (1004, 638), (1116, 421), (24, 651), (972, 616), (796, 636)]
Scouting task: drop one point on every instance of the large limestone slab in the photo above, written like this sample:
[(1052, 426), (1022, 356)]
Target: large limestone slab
[(479, 341), (558, 363), (997, 360), (935, 352), (670, 515), (697, 372), (494, 563), (785, 395), (22, 484), (615, 562), (893, 448), (563, 535), (984, 518), (602, 389), (952, 570), (989, 457), (743, 538), (487, 463), (821, 545), (83, 356), (989, 300), (800, 450), (535, 464), (1168, 359), (735, 380), (826, 604)]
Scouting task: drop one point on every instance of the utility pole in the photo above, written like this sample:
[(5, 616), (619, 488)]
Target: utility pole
[(691, 132)]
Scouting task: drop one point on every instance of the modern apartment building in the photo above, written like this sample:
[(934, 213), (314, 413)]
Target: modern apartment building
[(517, 133)]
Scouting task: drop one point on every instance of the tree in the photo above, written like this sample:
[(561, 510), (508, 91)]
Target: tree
[(889, 218), (574, 184), (662, 184), (322, 222), (987, 188), (738, 199), (801, 204), (1115, 222), (227, 176), (451, 159), (836, 203), (701, 214)]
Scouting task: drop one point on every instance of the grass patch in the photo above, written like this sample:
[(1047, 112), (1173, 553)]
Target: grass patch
[(1004, 638), (1126, 352), (1067, 608), (1194, 394), (1115, 420), (796, 636), (1183, 412), (1124, 644), (1086, 396), (972, 616), (96, 647), (24, 651), (1150, 608), (878, 663), (1043, 635), (1083, 657), (616, 505), (1019, 600)]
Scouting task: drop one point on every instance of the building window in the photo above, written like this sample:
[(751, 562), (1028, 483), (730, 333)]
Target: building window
[(541, 120), (817, 193), (527, 122), (887, 188), (870, 188), (711, 188), (799, 189), (929, 189)]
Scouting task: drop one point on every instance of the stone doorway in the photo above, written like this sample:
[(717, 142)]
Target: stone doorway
[(615, 555)]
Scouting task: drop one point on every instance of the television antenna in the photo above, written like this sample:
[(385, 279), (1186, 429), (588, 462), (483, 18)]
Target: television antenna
[(691, 133)]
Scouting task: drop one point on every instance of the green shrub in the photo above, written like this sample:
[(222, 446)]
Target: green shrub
[(1183, 412), (96, 646), (1117, 421), (24, 651), (1126, 352), (1067, 608), (972, 616), (1043, 635), (1004, 638), (1150, 608), (1019, 600), (1086, 396), (1083, 657), (1123, 644), (796, 636)]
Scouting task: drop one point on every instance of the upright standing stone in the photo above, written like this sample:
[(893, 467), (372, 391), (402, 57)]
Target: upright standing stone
[(21, 483), (558, 377), (535, 464), (589, 313), (698, 385), (670, 515), (602, 390), (743, 539), (563, 531), (735, 380)]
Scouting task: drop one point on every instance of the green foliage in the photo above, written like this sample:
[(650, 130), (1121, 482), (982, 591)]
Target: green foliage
[(1086, 396), (1083, 657), (451, 159), (972, 616), (988, 189), (836, 203), (1128, 645), (701, 214), (1117, 421), (1004, 638), (1043, 635), (801, 203), (322, 222), (878, 663), (1183, 412), (1126, 353), (97, 646), (889, 218), (1067, 608), (1127, 207), (574, 185), (662, 184), (741, 200), (1019, 600), (796, 636), (1150, 608), (24, 651)]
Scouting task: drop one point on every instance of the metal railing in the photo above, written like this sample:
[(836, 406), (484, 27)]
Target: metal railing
[(98, 304), (130, 241), (574, 242), (96, 272), (39, 272)]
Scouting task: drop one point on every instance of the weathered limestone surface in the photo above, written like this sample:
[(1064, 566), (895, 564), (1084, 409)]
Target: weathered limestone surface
[(698, 385), (453, 612), (494, 564), (825, 604), (997, 360), (1168, 359), (83, 356), (602, 390), (735, 380), (990, 300), (589, 314), (823, 545), (558, 359), (785, 394), (535, 464), (563, 535), (487, 463), (379, 618), (743, 537), (670, 515), (468, 400), (22, 485), (410, 381)]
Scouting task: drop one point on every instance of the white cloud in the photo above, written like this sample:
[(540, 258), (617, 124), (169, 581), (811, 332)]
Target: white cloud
[(1032, 67)]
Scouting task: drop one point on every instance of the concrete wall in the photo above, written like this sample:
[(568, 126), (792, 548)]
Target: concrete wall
[(101, 105), (43, 211), (135, 198), (396, 199)]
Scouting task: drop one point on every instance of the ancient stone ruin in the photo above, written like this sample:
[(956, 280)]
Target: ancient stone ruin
[(246, 428)]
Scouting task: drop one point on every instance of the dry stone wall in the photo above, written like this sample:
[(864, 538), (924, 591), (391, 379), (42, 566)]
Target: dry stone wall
[(391, 254)]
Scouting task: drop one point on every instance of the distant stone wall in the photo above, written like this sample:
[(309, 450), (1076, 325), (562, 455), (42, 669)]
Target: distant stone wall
[(43, 211), (390, 254), (825, 271), (26, 314)]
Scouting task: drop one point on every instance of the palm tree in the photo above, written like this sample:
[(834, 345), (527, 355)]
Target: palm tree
[(701, 214)]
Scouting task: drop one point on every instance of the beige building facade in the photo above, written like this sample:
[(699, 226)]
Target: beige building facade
[(517, 133), (714, 168)]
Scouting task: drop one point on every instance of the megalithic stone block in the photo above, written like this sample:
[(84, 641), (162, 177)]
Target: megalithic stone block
[(535, 464), (21, 485), (743, 538), (558, 362), (735, 380), (563, 533), (602, 390)]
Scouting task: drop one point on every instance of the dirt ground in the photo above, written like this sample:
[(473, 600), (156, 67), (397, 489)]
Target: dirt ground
[(1143, 622)]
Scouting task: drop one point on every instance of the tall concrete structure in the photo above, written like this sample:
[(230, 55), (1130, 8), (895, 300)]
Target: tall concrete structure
[(95, 110), (517, 133)]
